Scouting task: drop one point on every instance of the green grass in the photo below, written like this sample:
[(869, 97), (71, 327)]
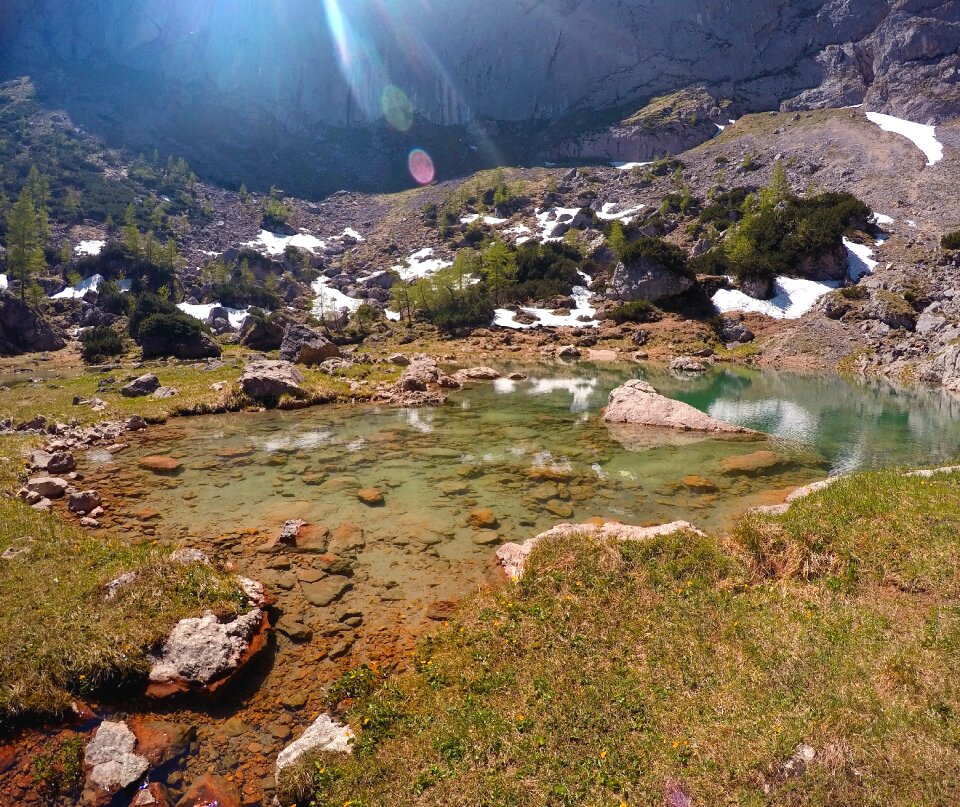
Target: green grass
[(59, 636), (54, 397), (628, 674)]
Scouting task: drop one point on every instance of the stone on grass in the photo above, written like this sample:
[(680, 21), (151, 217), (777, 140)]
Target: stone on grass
[(139, 387), (324, 734), (267, 380), (48, 486), (303, 345)]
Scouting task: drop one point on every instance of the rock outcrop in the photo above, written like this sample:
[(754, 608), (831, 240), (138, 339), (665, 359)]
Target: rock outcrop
[(140, 387), (647, 279), (639, 404), (520, 64), (22, 329), (303, 345)]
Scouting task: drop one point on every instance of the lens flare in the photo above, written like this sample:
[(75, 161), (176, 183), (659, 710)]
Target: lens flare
[(397, 108), (421, 167)]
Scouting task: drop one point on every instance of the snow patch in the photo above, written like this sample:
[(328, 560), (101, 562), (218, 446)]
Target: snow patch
[(90, 247), (201, 311), (548, 219), (607, 213), (73, 292), (349, 231), (924, 137), (860, 260), (420, 264), (4, 282), (882, 219), (792, 298), (628, 166), (505, 318), (330, 300), (274, 244)]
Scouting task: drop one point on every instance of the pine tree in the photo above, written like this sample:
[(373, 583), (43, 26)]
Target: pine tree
[(244, 194), (617, 238), (24, 242), (71, 204)]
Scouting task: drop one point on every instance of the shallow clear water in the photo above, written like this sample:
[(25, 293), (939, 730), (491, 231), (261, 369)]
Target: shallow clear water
[(533, 451)]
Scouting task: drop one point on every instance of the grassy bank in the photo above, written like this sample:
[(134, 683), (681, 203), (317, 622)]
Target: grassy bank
[(54, 397), (687, 670), (60, 636)]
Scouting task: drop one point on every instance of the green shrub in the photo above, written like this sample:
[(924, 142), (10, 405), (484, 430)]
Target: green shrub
[(854, 293), (951, 240), (666, 254), (100, 343), (636, 311), (165, 334), (275, 214)]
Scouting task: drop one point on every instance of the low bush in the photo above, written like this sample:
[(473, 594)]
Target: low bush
[(636, 311), (662, 252), (951, 240), (99, 344), (165, 334)]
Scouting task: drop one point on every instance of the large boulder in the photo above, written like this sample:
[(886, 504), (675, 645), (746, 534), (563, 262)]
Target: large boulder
[(303, 345), (639, 404), (266, 380), (191, 343), (262, 333), (203, 653), (23, 329), (647, 279)]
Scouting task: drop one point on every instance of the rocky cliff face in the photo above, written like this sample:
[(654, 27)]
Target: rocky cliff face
[(261, 83)]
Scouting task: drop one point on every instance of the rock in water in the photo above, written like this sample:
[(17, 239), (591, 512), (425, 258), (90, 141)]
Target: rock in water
[(266, 380), (210, 791), (139, 387), (303, 345), (637, 403), (324, 734), (203, 653), (111, 762)]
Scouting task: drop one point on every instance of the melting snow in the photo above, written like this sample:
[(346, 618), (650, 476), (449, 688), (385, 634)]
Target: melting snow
[(3, 282), (628, 166), (421, 264), (330, 300), (201, 311), (548, 219), (275, 244), (493, 221), (792, 298), (353, 234), (626, 216), (73, 292), (505, 318), (882, 219), (90, 247), (923, 137), (859, 259)]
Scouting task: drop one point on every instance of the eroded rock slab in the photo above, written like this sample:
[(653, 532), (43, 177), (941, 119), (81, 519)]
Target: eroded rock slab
[(639, 404)]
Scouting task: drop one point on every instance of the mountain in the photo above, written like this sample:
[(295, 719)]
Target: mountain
[(321, 95)]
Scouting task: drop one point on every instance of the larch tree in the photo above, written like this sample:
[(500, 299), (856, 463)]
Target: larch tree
[(24, 241)]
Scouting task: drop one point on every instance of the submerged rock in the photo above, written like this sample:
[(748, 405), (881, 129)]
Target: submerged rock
[(637, 403), (754, 464), (111, 763), (324, 734), (210, 791), (160, 464)]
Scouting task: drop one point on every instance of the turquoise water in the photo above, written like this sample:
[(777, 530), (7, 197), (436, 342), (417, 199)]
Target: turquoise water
[(533, 452)]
